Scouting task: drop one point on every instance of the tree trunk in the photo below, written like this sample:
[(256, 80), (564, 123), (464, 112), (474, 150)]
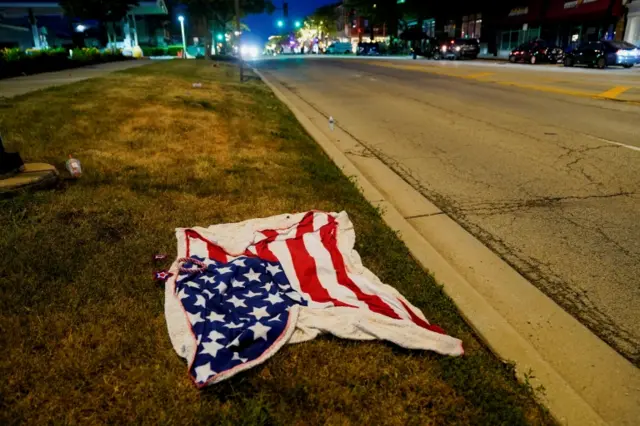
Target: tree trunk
[(105, 36)]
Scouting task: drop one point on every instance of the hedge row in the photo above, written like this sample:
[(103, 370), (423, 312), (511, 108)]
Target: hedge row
[(161, 51), (16, 62)]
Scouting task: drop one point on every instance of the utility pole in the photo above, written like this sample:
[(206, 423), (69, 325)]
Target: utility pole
[(239, 34)]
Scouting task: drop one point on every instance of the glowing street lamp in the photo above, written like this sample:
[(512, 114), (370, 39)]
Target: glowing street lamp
[(280, 23), (220, 37), (297, 24), (184, 39)]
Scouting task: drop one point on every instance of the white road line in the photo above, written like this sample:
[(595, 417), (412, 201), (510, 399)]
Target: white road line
[(634, 148)]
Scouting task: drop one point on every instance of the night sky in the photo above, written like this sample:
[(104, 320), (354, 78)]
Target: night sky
[(262, 26)]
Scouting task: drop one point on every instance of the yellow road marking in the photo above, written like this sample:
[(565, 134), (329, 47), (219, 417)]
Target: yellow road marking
[(609, 94), (480, 75), (548, 89), (614, 92)]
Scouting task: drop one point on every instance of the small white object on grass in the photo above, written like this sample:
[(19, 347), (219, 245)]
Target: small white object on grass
[(74, 167)]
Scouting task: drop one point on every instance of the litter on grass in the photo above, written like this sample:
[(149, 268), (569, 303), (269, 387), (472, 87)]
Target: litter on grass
[(74, 167), (241, 291)]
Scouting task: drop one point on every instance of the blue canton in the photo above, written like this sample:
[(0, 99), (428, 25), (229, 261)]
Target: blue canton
[(237, 311)]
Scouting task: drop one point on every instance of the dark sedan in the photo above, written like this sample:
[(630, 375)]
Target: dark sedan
[(604, 53), (458, 48), (535, 52)]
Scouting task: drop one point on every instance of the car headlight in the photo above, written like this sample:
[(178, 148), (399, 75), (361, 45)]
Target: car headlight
[(457, 48), (249, 51), (444, 48)]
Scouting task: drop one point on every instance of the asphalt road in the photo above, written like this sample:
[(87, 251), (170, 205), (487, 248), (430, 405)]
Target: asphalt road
[(540, 163)]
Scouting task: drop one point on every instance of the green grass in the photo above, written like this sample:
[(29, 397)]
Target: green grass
[(82, 329)]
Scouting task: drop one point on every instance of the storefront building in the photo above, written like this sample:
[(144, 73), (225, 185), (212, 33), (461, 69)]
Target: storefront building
[(518, 25), (569, 23)]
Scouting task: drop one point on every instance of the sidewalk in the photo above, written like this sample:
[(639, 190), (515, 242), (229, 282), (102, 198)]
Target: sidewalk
[(11, 87)]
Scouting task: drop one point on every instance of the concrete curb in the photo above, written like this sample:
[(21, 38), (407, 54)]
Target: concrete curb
[(34, 176), (585, 381)]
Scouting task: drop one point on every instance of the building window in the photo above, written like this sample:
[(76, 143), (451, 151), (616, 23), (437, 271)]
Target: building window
[(450, 29), (429, 27), (471, 26)]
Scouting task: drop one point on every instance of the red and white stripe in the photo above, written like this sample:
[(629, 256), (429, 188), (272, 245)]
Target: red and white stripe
[(309, 253)]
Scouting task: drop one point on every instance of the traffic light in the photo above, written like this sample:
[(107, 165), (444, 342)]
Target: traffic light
[(285, 9), (297, 24), (280, 23), (220, 37)]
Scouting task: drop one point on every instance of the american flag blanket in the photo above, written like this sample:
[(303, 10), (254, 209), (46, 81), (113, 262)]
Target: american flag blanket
[(241, 291)]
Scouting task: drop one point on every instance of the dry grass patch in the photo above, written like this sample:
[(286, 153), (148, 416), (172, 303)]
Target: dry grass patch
[(81, 323)]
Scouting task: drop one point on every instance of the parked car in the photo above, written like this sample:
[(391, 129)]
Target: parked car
[(458, 48), (537, 51), (604, 53), (368, 49), (339, 48)]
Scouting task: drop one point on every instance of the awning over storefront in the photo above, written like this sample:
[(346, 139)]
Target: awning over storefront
[(567, 9)]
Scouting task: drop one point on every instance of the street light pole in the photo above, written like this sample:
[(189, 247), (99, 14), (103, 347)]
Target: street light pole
[(184, 39), (237, 4)]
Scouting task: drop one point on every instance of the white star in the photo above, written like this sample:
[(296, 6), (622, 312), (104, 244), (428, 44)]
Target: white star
[(209, 262), (222, 288), (253, 276), (182, 294), (235, 283), (225, 270), (236, 342), (274, 298), (236, 357), (284, 287), (236, 301), (252, 294), (182, 277), (276, 318), (295, 296), (200, 301), (192, 284), (215, 335), (210, 280), (268, 286), (211, 348), (204, 372), (259, 331), (259, 312), (208, 293), (274, 269), (234, 325), (194, 318), (239, 262), (215, 317)]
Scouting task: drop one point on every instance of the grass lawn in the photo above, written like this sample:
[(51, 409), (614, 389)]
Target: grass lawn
[(82, 327)]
